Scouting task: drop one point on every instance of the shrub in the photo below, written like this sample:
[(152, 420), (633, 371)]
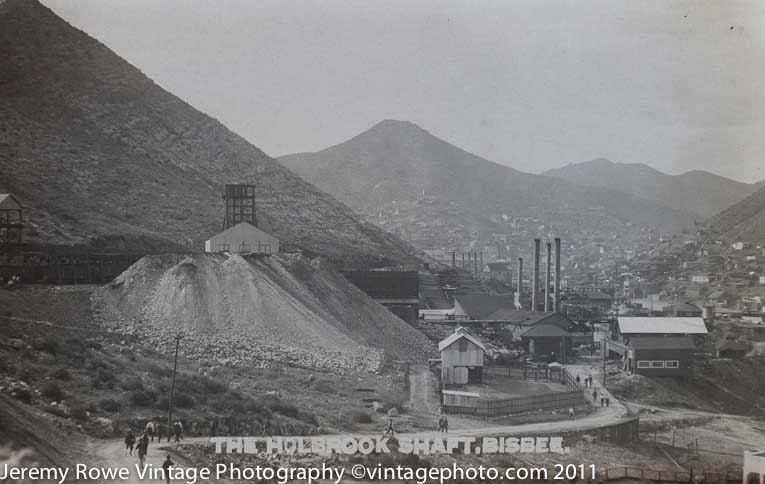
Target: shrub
[(142, 398), (49, 345), (324, 386), (22, 394), (52, 391), (132, 383), (79, 412), (162, 403), (361, 418), (61, 374), (183, 400), (109, 405), (104, 379)]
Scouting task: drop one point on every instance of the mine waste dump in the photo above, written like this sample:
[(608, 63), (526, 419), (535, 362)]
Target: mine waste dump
[(256, 311)]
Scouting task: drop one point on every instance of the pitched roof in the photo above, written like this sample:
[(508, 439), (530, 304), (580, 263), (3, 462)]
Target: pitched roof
[(480, 306), (452, 338), (652, 325), (545, 330), (662, 343), (10, 200), (595, 295), (498, 266), (524, 316)]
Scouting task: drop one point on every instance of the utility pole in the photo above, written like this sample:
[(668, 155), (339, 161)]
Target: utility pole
[(172, 385)]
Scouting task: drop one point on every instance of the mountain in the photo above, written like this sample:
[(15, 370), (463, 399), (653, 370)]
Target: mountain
[(406, 179), (698, 192), (744, 221), (95, 151)]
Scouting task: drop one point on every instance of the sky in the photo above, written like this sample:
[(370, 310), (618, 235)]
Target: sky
[(532, 84)]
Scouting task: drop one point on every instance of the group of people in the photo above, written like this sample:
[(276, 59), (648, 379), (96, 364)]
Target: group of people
[(141, 444), (587, 381)]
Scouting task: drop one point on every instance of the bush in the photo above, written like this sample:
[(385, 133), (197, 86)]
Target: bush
[(52, 391), (162, 403), (361, 418), (142, 398), (183, 400), (104, 379), (22, 394), (49, 345), (79, 412), (324, 386), (109, 405), (132, 383), (61, 374)]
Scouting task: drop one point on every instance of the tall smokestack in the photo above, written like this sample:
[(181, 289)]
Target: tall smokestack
[(548, 269), (535, 276), (557, 274), (519, 284)]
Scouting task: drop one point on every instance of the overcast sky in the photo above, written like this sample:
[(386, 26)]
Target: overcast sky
[(533, 84)]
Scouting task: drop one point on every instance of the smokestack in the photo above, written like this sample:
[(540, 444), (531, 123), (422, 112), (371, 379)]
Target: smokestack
[(454, 260), (548, 269), (557, 274), (519, 283), (535, 276)]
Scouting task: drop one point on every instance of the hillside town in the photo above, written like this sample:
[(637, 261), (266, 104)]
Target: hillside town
[(174, 301)]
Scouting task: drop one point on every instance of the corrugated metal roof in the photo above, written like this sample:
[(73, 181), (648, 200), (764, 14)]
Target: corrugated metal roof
[(649, 325), (461, 394), (457, 335)]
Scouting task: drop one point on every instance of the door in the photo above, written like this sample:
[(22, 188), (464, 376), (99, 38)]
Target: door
[(460, 375)]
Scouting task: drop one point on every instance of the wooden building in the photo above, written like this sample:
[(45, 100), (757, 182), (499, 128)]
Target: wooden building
[(11, 222), (243, 238), (398, 291), (462, 356), (660, 356), (549, 337)]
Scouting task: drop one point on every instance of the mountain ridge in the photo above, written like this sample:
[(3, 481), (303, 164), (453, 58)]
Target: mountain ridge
[(96, 150), (699, 192), (396, 162)]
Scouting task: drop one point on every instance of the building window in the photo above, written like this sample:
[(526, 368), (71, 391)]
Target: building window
[(224, 247), (644, 364), (672, 364), (463, 345), (244, 248), (657, 364)]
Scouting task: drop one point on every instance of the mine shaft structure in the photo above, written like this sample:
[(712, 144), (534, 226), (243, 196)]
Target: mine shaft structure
[(240, 205)]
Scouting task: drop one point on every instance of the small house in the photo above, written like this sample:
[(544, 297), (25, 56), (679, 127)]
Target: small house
[(732, 349), (462, 356), (498, 271)]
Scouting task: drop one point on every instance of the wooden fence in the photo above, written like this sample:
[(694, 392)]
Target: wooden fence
[(486, 407), (619, 473)]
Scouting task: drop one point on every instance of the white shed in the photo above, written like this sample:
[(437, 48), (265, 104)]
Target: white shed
[(243, 238), (462, 356)]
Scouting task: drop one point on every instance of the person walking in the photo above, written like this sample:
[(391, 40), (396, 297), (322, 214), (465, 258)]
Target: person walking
[(389, 428), (578, 380), (602, 402), (608, 402), (150, 430), (143, 447), (446, 424), (129, 442), (166, 466), (177, 430), (594, 396), (571, 413)]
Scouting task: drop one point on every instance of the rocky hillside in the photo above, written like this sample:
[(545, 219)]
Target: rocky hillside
[(95, 150), (744, 221), (258, 312), (697, 192), (398, 170)]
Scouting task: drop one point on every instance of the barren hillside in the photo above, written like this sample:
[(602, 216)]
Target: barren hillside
[(258, 312), (743, 221), (95, 149)]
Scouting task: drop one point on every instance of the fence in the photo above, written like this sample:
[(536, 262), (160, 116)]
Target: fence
[(543, 402), (534, 373), (667, 476)]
